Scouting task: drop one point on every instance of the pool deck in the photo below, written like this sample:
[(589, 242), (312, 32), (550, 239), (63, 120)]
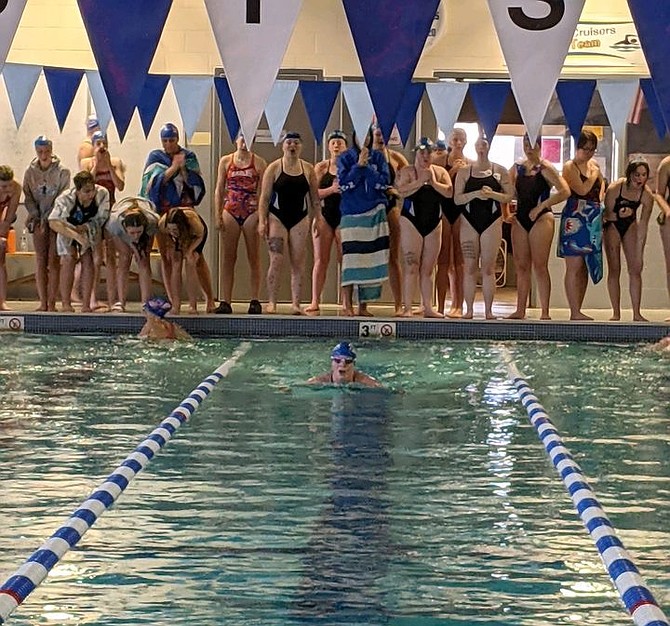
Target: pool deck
[(23, 318)]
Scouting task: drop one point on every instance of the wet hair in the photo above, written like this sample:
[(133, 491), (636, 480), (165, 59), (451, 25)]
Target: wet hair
[(177, 216), (133, 218), (587, 137), (6, 173), (82, 179), (633, 165), (337, 134)]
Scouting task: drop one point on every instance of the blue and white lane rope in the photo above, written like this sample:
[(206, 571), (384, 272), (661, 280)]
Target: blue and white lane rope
[(634, 593), (31, 574)]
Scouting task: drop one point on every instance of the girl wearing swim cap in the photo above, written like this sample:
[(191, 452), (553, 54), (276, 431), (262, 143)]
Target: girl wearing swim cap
[(43, 181), (325, 232), (343, 369)]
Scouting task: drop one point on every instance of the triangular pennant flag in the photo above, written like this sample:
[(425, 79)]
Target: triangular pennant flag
[(651, 22), (264, 26), (358, 101), (319, 99), (20, 81), (534, 76), (389, 36), (63, 85), (10, 16), (654, 107), (618, 97), (150, 99), (191, 93), (278, 106), (489, 100), (100, 103), (447, 102), (575, 97), (227, 106), (124, 35), (408, 107)]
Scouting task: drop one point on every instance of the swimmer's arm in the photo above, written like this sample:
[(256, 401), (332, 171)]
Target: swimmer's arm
[(220, 189), (314, 200), (610, 197), (368, 381), (266, 191), (507, 193), (11, 208), (645, 216), (406, 183), (118, 173), (441, 182), (181, 334), (552, 176), (662, 175)]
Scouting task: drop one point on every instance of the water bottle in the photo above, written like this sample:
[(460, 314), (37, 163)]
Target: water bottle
[(23, 242)]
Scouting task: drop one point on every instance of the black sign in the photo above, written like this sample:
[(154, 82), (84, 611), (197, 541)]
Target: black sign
[(539, 23), (253, 11)]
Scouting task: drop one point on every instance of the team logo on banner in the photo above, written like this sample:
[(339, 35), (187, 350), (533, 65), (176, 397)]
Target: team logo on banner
[(10, 16), (252, 37), (534, 37)]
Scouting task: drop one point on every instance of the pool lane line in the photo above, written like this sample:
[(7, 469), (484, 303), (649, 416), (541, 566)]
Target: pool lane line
[(632, 589), (31, 574)]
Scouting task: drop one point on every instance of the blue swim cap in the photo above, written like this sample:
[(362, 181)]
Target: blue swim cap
[(343, 350), (169, 131), (157, 306), (98, 136), (92, 122), (424, 144), (440, 145), (43, 140)]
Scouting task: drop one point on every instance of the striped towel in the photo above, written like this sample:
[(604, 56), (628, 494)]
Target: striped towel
[(365, 251)]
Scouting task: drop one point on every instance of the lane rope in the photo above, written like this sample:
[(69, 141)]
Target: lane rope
[(37, 567), (633, 591)]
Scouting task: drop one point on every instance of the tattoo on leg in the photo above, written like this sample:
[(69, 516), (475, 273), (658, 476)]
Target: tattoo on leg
[(411, 259), (468, 250), (276, 244)]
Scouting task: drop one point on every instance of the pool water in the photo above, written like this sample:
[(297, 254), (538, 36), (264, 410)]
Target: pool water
[(432, 503)]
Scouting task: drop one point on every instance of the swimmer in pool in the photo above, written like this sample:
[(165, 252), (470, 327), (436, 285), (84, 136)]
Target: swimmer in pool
[(662, 345), (343, 369), (156, 326)]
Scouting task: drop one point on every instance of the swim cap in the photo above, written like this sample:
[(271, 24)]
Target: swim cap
[(92, 122), (169, 131), (292, 135), (440, 145), (424, 144), (157, 306), (98, 136), (43, 140), (337, 134), (343, 350)]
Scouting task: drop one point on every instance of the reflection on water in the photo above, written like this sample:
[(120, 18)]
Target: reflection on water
[(281, 504), (347, 555)]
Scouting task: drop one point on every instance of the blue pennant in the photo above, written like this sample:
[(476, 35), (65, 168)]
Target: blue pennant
[(575, 97), (63, 85), (489, 100), (651, 21), (124, 35), (389, 36), (654, 106), (228, 106), (151, 98), (408, 107), (319, 99)]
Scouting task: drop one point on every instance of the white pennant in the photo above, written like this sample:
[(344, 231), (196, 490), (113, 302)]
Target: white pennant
[(20, 81), (360, 107), (618, 97), (447, 102), (191, 93), (252, 52), (10, 16), (100, 103), (278, 106), (534, 37)]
